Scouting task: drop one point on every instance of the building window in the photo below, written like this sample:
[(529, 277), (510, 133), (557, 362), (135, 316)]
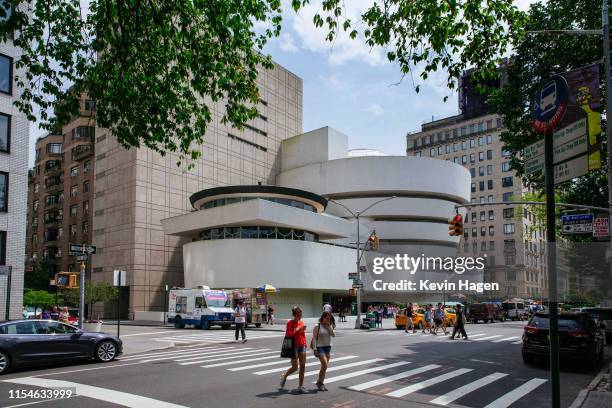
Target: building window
[(6, 74), (481, 185), (507, 197), (473, 218), (472, 129), (505, 166), (499, 123), (85, 207), (5, 133), (490, 184), (462, 130), (85, 227), (474, 231), (482, 215), (472, 158), (505, 153), (483, 246), (73, 230), (491, 215), (86, 166), (90, 105), (417, 154), (482, 200), (489, 139), (473, 171), (439, 150), (511, 276), (507, 181), (455, 147), (473, 187), (60, 232), (489, 169), (2, 247), (463, 145), (491, 230), (86, 186), (490, 199), (456, 160), (489, 154), (472, 143), (83, 132), (464, 159), (447, 148), (35, 206), (36, 187), (432, 152), (508, 212), (54, 148), (74, 171), (481, 171), (4, 180), (480, 156), (74, 191), (509, 228), (73, 210), (480, 140), (491, 245)]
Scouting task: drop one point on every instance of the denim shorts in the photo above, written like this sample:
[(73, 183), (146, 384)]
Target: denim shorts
[(324, 350), (300, 349)]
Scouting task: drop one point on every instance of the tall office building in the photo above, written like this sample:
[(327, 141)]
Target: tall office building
[(60, 193), (136, 188), (14, 138), (503, 232)]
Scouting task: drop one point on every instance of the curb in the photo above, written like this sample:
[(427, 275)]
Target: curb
[(583, 394)]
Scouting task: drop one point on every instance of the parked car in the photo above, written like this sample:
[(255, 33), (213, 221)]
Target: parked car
[(39, 342), (487, 312), (579, 338), (606, 314)]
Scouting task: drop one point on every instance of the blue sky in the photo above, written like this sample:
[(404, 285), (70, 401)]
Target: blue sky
[(351, 87)]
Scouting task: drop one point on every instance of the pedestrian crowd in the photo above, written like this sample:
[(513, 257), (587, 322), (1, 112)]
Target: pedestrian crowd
[(56, 312)]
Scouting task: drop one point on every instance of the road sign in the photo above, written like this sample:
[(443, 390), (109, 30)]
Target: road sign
[(5, 269), (353, 275), (356, 281), (75, 249), (571, 169), (82, 258), (357, 285), (601, 227), (362, 268), (577, 224), (550, 104)]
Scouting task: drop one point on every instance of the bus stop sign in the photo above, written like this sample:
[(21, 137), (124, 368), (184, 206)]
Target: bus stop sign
[(550, 104)]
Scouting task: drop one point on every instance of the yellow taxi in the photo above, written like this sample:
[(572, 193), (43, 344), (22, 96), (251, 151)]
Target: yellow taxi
[(417, 318), (449, 316)]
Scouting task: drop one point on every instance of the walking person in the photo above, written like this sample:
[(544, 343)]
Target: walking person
[(459, 324), (427, 319), (296, 329), (341, 314), (321, 345), (328, 308), (270, 315), (439, 319), (409, 322), (240, 320)]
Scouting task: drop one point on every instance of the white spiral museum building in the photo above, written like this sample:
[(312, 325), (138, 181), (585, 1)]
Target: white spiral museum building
[(296, 237)]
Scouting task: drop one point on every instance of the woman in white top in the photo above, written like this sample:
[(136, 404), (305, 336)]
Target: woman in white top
[(321, 344)]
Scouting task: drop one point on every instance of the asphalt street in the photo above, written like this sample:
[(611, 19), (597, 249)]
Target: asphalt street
[(388, 368)]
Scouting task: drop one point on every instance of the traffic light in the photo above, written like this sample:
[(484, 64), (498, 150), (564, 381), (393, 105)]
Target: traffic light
[(455, 227), (353, 292), (374, 241), (67, 280)]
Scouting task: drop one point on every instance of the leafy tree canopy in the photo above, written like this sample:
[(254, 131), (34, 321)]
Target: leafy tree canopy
[(38, 298), (158, 69)]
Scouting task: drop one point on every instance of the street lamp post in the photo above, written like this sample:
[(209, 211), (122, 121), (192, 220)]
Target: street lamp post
[(356, 215)]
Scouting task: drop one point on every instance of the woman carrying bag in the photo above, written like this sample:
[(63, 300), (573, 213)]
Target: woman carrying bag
[(295, 335), (321, 345)]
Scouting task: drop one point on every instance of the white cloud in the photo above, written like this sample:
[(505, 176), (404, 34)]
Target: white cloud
[(286, 43), (375, 109), (343, 49)]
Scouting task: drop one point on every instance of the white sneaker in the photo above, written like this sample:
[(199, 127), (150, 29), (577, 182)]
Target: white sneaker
[(301, 390)]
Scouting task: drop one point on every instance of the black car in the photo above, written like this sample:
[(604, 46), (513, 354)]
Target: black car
[(35, 342), (579, 338)]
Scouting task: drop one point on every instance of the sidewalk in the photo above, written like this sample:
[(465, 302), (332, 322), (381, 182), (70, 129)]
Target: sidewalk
[(599, 392)]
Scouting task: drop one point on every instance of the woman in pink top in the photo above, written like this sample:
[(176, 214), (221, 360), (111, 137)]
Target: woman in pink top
[(296, 329)]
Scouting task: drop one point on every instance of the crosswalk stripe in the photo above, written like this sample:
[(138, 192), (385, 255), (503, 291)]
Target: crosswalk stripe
[(506, 339), (336, 368), (385, 380), (475, 335), (169, 356), (366, 371), (229, 356), (466, 389), (518, 342), (424, 384), (248, 360), (488, 338), (164, 353), (264, 364), (508, 399), (277, 370), (240, 356), (220, 352)]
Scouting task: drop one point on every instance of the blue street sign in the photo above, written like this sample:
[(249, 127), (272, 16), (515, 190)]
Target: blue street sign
[(550, 104)]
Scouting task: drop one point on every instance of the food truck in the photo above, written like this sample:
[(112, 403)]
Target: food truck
[(200, 307), (255, 302)]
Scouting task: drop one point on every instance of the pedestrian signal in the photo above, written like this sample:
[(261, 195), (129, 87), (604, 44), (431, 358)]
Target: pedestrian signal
[(374, 241), (66, 280), (455, 227)]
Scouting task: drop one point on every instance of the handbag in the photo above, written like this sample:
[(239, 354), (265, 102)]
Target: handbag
[(287, 348)]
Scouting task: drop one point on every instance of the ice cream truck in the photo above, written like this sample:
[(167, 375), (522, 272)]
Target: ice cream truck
[(200, 308)]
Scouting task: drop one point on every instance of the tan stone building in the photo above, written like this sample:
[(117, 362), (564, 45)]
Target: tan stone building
[(60, 194), (135, 189), (502, 232)]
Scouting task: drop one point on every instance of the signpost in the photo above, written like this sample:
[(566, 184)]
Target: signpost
[(353, 275), (119, 280), (577, 224), (83, 250), (601, 227), (75, 249), (358, 285)]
